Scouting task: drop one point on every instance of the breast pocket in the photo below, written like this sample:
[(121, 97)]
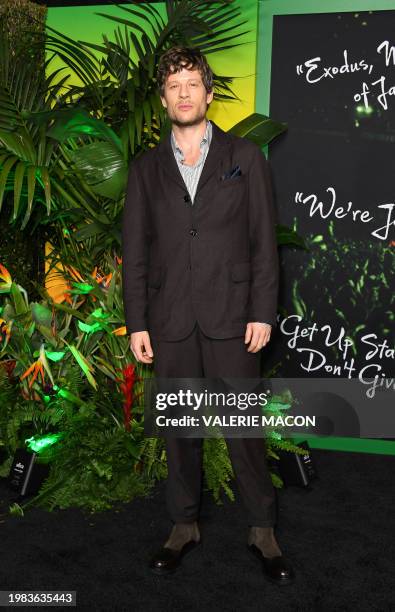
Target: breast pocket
[(236, 182)]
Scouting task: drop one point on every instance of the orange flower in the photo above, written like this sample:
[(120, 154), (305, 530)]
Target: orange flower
[(6, 276), (107, 279), (75, 274), (100, 278), (4, 328), (35, 368), (120, 331)]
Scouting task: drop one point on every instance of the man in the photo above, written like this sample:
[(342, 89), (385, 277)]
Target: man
[(200, 281)]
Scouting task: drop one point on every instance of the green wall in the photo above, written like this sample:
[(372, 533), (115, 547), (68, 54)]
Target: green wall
[(84, 24)]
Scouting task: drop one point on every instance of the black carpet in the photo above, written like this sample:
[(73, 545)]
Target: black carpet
[(339, 535)]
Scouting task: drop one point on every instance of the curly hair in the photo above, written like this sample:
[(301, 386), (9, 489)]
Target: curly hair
[(175, 59)]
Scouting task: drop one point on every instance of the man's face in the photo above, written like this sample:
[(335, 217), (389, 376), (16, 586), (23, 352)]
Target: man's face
[(185, 97)]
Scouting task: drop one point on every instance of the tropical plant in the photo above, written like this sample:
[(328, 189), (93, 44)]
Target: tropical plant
[(75, 140), (71, 144), (64, 154), (69, 371)]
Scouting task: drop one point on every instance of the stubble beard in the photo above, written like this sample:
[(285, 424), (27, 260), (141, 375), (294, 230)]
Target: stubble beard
[(188, 122)]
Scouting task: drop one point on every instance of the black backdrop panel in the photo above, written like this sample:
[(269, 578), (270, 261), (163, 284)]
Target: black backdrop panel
[(328, 77)]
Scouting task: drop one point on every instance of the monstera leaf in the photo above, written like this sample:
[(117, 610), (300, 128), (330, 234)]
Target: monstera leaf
[(101, 163), (73, 122), (102, 167)]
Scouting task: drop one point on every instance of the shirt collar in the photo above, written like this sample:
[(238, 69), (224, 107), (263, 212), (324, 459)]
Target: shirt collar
[(205, 140)]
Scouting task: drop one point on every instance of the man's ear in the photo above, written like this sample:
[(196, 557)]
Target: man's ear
[(163, 102), (210, 97)]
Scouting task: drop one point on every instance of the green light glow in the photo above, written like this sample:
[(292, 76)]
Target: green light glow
[(55, 355), (99, 314), (89, 329), (37, 445), (363, 110), (70, 397), (82, 288), (276, 407)]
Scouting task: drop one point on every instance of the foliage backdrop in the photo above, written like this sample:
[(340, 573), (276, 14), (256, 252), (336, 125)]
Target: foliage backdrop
[(65, 147)]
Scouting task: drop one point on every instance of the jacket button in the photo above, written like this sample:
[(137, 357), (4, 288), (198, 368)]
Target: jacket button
[(193, 232), (187, 198)]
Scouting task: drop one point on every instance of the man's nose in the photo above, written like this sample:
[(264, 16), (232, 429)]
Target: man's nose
[(184, 92)]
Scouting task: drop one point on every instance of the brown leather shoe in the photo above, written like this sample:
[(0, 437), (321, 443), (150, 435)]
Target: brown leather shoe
[(277, 569), (167, 560)]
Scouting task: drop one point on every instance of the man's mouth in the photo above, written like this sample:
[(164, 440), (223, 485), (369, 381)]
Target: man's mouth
[(184, 106)]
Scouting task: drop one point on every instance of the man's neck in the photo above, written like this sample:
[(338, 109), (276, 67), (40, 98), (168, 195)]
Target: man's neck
[(189, 137)]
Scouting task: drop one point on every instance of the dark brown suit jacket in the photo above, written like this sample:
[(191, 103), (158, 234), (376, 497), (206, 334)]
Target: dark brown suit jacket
[(215, 262)]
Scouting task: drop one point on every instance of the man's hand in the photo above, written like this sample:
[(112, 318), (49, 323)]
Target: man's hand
[(140, 344), (258, 335)]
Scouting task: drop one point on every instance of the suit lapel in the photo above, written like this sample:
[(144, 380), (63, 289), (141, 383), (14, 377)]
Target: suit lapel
[(168, 161), (218, 148), (216, 153)]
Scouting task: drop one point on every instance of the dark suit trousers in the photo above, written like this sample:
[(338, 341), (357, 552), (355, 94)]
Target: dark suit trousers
[(200, 356)]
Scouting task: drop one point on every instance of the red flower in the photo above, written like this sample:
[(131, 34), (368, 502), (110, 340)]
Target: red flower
[(127, 383)]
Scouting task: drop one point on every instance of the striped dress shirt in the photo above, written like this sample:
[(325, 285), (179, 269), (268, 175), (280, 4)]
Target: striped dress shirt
[(191, 174)]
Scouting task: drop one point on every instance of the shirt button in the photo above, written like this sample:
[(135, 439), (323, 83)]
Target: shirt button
[(193, 232)]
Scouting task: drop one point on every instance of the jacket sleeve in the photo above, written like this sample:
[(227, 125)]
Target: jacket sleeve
[(263, 242), (135, 238)]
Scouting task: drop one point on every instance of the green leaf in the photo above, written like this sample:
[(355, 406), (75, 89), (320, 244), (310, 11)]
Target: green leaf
[(5, 169), (258, 128), (103, 167), (84, 364), (18, 182), (287, 236), (31, 183), (41, 314), (73, 122), (19, 301), (55, 355), (276, 480), (47, 333), (43, 172), (88, 230), (44, 361), (16, 510)]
